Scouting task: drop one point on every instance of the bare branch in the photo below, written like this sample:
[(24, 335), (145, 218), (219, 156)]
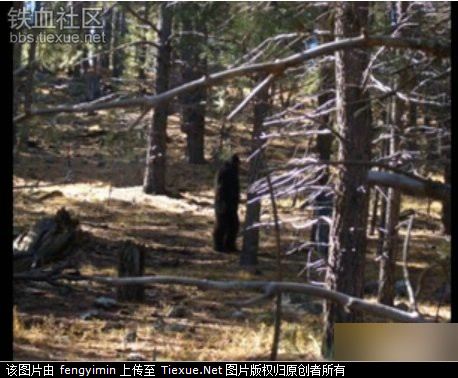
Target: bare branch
[(253, 93)]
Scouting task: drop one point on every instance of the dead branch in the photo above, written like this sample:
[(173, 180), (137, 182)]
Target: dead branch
[(270, 288), (253, 93), (408, 185)]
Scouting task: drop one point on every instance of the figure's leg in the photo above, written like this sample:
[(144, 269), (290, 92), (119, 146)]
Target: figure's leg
[(219, 234), (233, 229)]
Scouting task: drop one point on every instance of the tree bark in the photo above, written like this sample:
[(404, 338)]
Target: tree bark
[(348, 231), (154, 179)]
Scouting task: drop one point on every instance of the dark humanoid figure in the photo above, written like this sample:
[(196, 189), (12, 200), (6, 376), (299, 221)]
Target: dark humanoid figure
[(227, 197)]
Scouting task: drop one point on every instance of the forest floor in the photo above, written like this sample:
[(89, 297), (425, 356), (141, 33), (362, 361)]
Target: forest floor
[(65, 322)]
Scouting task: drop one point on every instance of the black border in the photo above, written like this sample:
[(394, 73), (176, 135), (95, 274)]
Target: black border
[(454, 165), (6, 304)]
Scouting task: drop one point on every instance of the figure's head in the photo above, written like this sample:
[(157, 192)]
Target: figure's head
[(235, 159)]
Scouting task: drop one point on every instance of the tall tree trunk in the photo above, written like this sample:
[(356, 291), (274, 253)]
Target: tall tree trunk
[(142, 48), (120, 30), (387, 279), (106, 46), (323, 203), (250, 246), (29, 86), (195, 66), (31, 67), (393, 206), (385, 150), (412, 144), (17, 54), (154, 179), (348, 232), (77, 70)]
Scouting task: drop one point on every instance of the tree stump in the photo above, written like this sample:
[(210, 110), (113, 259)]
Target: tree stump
[(131, 263), (48, 240)]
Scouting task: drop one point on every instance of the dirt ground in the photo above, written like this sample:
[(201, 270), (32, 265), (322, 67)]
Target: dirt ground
[(93, 167)]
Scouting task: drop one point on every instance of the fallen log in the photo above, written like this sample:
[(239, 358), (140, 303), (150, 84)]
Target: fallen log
[(47, 240)]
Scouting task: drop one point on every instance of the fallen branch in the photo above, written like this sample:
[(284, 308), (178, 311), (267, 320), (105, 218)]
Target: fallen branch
[(270, 288), (408, 185)]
